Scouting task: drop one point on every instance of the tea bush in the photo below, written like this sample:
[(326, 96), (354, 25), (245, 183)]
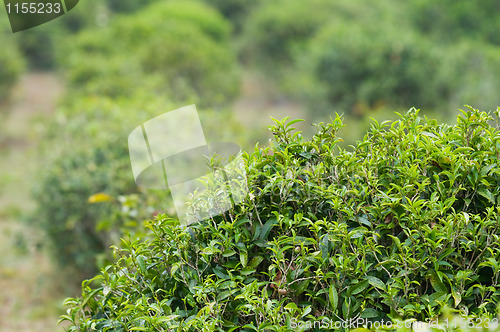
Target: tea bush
[(478, 81), (362, 68), (176, 48), (400, 226), (40, 46)]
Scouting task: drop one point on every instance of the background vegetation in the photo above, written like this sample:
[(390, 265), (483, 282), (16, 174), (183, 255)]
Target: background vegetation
[(123, 62), (11, 67)]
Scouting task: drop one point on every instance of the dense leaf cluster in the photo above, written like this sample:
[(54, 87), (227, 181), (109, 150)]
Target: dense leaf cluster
[(402, 225)]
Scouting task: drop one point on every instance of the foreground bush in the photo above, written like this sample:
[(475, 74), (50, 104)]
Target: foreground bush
[(399, 226)]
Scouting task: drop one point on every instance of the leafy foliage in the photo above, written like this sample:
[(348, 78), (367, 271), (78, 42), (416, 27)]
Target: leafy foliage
[(399, 226), (126, 5), (40, 46)]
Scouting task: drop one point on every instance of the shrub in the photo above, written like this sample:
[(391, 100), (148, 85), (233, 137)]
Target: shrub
[(175, 48), (399, 226), (358, 69), (475, 73), (277, 30), (328, 55), (370, 66)]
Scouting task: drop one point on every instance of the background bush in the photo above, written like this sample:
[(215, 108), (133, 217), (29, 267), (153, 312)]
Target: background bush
[(178, 49), (400, 226), (273, 34), (331, 56), (360, 68)]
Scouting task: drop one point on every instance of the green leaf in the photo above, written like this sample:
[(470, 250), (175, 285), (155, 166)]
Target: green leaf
[(228, 253), (247, 270), (437, 284), (365, 221), (376, 282), (334, 298), (219, 273), (243, 258), (324, 246), (225, 294), (456, 295), (264, 233), (249, 326), (142, 265), (370, 313), (294, 121), (89, 296), (358, 288), (486, 169), (255, 261), (487, 194)]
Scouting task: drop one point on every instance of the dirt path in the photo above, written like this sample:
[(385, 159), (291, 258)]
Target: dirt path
[(29, 297)]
